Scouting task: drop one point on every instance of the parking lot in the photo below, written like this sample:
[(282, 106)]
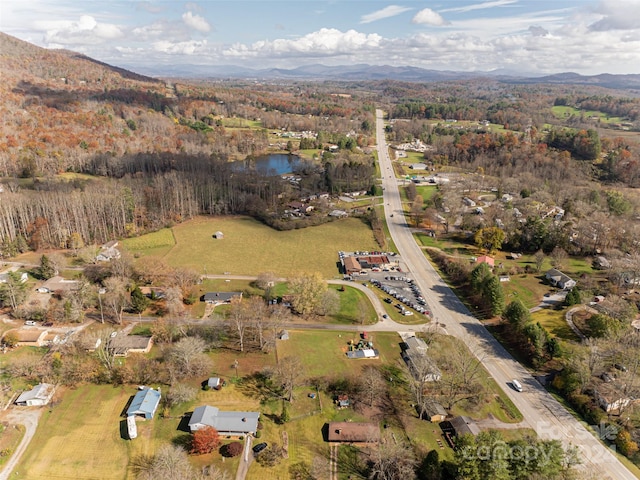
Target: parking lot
[(402, 292)]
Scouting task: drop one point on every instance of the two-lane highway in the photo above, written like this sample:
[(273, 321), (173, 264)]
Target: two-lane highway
[(540, 410)]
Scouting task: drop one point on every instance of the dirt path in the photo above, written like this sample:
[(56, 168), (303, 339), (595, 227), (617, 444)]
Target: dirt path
[(29, 417)]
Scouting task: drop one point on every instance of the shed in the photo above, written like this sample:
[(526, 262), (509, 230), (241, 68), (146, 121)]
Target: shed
[(435, 412), (218, 235), (284, 335), (215, 383), (486, 259), (145, 403), (342, 401), (39, 395), (353, 432), (226, 423)]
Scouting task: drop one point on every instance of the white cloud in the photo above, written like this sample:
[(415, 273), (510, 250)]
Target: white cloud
[(324, 42), (84, 31), (429, 17), (190, 47), (480, 6), (617, 15), (196, 22), (386, 12)]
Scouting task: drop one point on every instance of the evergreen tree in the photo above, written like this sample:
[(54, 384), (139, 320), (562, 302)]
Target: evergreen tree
[(139, 302), (517, 314), (47, 269), (492, 291), (573, 297)]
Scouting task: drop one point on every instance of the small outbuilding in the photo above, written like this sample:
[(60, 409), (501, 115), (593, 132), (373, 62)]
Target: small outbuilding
[(215, 383), (435, 412), (218, 235), (39, 395), (145, 403)]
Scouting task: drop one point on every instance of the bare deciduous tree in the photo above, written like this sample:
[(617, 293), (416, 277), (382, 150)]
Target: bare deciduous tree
[(288, 373)]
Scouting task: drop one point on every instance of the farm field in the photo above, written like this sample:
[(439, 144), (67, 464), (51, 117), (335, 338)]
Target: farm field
[(249, 247)]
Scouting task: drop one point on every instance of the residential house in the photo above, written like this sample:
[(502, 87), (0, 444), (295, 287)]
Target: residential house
[(39, 395), (225, 422), (559, 279), (338, 214), (31, 337), (4, 276), (59, 284), (220, 297), (108, 252), (353, 432), (420, 364), (144, 403), (464, 425), (121, 345), (601, 263)]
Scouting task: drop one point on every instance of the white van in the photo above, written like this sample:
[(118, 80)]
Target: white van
[(516, 385)]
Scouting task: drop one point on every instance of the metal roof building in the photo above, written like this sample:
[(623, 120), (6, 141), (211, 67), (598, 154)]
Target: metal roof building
[(226, 423), (145, 403)]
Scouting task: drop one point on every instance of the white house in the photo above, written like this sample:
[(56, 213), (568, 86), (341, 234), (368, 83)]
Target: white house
[(559, 279), (39, 395)]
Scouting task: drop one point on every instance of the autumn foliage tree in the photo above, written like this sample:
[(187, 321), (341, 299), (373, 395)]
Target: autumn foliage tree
[(205, 441)]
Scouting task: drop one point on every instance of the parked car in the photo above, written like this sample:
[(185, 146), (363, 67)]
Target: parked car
[(31, 323), (259, 447)]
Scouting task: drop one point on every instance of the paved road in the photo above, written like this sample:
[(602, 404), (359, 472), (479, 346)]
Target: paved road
[(540, 410)]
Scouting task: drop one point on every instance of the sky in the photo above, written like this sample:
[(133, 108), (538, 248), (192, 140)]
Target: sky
[(515, 36)]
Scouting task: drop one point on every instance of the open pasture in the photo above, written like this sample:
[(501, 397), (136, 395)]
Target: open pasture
[(250, 247)]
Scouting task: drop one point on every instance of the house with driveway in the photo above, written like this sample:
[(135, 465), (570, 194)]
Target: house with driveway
[(559, 279), (234, 424)]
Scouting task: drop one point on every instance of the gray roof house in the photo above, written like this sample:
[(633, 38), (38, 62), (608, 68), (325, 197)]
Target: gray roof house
[(220, 297), (226, 423), (145, 403), (559, 279), (39, 395)]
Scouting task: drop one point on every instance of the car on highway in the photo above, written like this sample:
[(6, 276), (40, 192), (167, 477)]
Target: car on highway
[(259, 447), (30, 323), (516, 385)]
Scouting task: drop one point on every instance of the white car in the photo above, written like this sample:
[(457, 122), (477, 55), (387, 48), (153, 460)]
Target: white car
[(516, 385)]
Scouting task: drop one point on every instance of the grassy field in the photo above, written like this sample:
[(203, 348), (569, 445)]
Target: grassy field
[(250, 247), (562, 111), (555, 323), (323, 353), (10, 438), (80, 437)]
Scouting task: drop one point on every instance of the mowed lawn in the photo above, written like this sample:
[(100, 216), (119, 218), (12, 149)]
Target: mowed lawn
[(250, 247), (323, 353), (80, 437)]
